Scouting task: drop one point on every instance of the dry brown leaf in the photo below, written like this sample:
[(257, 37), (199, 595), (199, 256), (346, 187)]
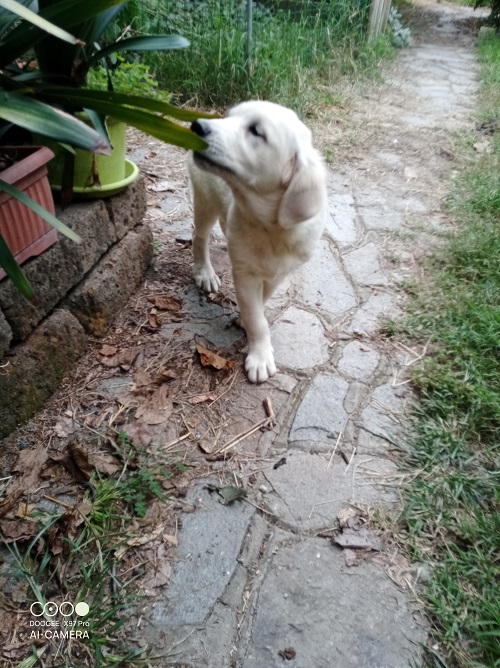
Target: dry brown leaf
[(162, 186), (168, 374), (157, 408), (347, 516), (123, 358), (29, 463), (166, 302), (65, 427), (107, 350), (25, 510), (13, 530), (135, 541), (208, 358), (142, 378), (139, 433), (153, 320), (201, 398), (105, 463)]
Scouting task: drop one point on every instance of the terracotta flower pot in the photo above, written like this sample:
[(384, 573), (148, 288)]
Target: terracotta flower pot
[(24, 231)]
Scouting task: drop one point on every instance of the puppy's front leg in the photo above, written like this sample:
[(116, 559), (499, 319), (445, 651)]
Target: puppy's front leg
[(205, 217), (259, 363), (204, 274)]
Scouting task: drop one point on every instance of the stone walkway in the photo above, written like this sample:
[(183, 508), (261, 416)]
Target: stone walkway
[(264, 588)]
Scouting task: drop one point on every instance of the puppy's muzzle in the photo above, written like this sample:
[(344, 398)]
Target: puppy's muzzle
[(201, 128)]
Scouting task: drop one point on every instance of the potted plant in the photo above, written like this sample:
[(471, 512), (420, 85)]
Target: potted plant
[(97, 175), (43, 96)]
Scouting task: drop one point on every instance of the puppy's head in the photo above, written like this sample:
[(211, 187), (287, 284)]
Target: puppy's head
[(263, 149)]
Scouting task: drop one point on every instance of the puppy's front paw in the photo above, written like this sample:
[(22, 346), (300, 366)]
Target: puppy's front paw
[(260, 366), (206, 278)]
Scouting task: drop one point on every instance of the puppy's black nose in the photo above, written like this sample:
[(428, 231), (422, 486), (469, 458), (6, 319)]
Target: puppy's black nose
[(200, 128)]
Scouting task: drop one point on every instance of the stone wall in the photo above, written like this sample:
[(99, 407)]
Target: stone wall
[(80, 288)]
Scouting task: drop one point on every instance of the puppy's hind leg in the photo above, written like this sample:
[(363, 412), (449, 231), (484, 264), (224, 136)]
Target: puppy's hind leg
[(206, 214)]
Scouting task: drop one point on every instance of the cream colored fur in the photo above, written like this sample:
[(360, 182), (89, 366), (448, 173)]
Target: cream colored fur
[(262, 179)]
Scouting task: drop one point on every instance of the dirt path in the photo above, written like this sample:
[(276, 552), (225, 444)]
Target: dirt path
[(252, 585)]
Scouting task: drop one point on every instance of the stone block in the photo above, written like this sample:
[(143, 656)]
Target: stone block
[(105, 291), (53, 273), (363, 264), (323, 284), (377, 308), (383, 416), (299, 340), (32, 370), (5, 334), (321, 414), (341, 225), (333, 616), (127, 209), (358, 361), (309, 490), (209, 545)]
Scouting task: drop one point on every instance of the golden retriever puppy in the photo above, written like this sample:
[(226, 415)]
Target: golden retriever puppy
[(262, 179)]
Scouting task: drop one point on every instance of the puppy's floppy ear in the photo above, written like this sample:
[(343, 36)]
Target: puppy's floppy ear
[(305, 194)]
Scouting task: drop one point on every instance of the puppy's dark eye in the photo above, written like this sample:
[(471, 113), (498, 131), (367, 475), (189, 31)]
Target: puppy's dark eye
[(256, 131)]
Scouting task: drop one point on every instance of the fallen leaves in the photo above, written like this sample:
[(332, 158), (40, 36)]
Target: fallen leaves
[(209, 358), (144, 539), (355, 538), (157, 408), (18, 529), (28, 465), (201, 398), (166, 303), (112, 358)]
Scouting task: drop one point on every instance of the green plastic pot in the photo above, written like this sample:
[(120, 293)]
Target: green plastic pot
[(96, 175)]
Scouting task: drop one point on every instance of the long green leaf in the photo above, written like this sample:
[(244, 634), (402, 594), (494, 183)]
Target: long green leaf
[(103, 20), (145, 43), (39, 21), (154, 125), (38, 208), (14, 271), (49, 122), (86, 97), (65, 14)]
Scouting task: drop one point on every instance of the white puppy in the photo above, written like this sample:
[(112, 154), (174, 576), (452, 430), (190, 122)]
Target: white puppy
[(262, 179)]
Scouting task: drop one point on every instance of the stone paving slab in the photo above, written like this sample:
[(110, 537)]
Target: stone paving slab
[(308, 491), (299, 340), (331, 616), (206, 557), (321, 414)]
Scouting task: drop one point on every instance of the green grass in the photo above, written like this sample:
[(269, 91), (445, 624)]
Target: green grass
[(452, 510), (298, 49)]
